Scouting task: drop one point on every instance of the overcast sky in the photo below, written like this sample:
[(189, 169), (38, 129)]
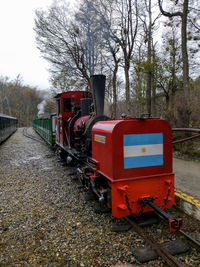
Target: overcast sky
[(18, 51)]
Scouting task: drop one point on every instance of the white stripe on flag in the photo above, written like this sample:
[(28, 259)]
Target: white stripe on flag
[(143, 150)]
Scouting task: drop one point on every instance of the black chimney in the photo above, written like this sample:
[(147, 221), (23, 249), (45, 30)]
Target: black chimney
[(98, 89)]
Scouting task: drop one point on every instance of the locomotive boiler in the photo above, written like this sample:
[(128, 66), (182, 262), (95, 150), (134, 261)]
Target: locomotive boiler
[(126, 162)]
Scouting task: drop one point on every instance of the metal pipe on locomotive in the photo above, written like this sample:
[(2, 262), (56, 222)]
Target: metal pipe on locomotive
[(126, 162)]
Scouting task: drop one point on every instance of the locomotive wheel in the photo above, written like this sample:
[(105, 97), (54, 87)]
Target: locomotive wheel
[(100, 209), (89, 196), (60, 154)]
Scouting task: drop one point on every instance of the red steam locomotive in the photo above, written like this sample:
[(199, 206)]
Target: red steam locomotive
[(126, 162)]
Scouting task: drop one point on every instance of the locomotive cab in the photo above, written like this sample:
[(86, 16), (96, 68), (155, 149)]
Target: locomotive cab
[(68, 105), (77, 112)]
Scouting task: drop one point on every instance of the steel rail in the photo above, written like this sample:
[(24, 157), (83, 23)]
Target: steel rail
[(193, 130), (25, 133), (160, 250), (193, 241)]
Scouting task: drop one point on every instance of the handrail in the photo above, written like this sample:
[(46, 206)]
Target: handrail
[(193, 130)]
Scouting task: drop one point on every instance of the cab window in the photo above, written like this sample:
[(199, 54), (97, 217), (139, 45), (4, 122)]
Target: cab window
[(68, 104), (58, 106)]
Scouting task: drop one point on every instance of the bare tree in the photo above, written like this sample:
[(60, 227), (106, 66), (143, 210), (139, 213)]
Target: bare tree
[(149, 23), (113, 66), (111, 57), (128, 11), (184, 17), (67, 42), (120, 20)]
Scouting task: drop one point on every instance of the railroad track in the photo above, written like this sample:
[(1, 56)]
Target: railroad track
[(26, 134), (159, 248)]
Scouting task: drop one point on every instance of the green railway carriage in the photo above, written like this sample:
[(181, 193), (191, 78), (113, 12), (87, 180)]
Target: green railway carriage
[(45, 127), (8, 125)]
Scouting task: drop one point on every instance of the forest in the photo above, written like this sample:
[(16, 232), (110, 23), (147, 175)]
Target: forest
[(23, 101), (149, 51), (19, 101)]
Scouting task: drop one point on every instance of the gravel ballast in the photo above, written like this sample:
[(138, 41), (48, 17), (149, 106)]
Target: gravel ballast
[(45, 219)]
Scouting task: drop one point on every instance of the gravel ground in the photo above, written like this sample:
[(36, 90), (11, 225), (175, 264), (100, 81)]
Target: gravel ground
[(45, 220)]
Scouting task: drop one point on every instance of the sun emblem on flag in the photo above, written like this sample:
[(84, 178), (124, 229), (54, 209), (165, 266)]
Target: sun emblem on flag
[(144, 149)]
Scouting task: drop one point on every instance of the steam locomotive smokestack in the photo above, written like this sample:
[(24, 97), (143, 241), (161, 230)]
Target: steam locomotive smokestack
[(98, 88)]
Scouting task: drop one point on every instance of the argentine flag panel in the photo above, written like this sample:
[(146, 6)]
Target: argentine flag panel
[(143, 150)]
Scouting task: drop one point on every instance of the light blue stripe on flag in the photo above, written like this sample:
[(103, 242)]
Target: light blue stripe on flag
[(143, 161), (143, 139)]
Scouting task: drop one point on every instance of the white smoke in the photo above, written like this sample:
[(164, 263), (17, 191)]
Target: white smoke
[(41, 107)]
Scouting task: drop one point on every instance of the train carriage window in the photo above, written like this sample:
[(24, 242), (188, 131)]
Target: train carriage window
[(68, 104), (58, 106)]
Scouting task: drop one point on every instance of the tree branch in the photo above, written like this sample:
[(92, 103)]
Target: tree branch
[(167, 14)]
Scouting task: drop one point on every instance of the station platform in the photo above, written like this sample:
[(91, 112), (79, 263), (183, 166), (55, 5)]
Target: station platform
[(187, 186)]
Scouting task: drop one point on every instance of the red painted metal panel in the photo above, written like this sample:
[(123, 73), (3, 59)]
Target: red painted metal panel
[(76, 95), (156, 187), (112, 165), (138, 182)]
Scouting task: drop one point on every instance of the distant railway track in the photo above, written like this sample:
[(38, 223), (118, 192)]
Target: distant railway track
[(159, 248), (26, 134)]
